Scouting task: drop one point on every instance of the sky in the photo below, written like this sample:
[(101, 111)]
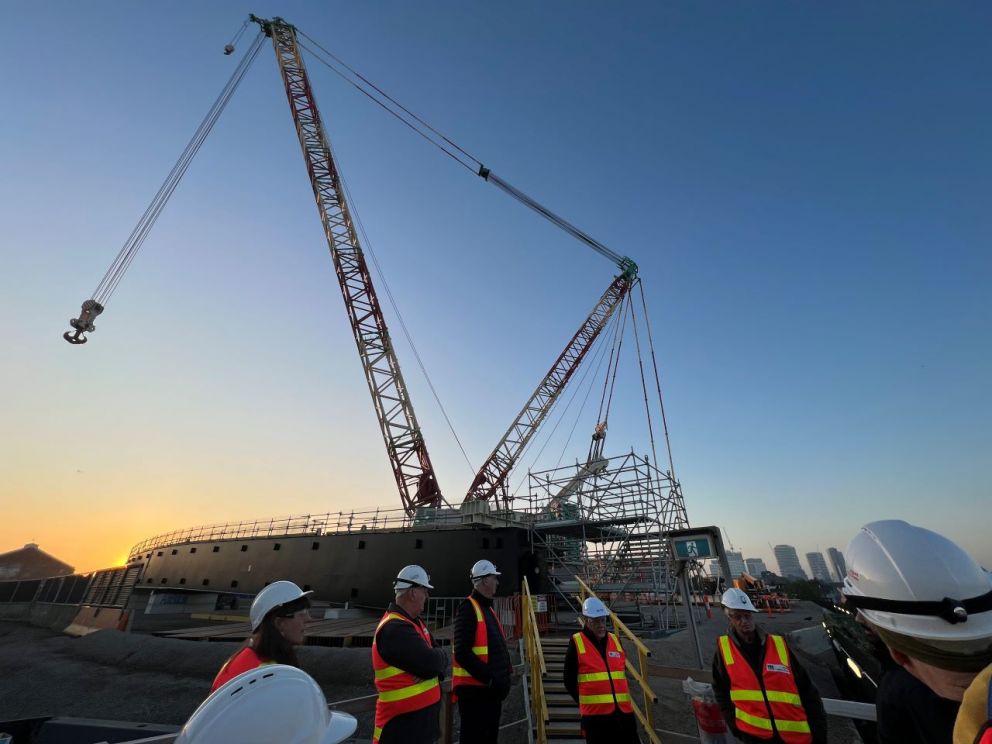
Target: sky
[(805, 187)]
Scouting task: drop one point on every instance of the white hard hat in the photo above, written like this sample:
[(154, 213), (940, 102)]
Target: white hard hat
[(737, 599), (484, 568), (269, 703), (412, 576), (274, 595), (594, 607), (915, 582)]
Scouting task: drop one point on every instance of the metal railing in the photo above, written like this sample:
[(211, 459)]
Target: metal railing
[(327, 523), (535, 664), (640, 674)]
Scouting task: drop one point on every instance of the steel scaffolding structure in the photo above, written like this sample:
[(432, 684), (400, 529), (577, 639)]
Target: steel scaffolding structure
[(606, 522)]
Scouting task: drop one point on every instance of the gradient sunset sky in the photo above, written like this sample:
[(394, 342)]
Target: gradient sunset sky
[(805, 187)]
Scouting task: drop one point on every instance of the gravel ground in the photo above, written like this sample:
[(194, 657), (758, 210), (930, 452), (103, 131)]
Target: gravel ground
[(134, 677)]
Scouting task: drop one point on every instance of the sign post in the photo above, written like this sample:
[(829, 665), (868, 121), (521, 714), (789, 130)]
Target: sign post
[(689, 545)]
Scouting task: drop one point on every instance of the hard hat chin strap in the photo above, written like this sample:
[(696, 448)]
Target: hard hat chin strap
[(954, 611)]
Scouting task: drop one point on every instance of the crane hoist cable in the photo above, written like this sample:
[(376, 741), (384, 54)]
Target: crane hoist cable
[(92, 307), (657, 381), (399, 315), (447, 146), (610, 381), (595, 366)]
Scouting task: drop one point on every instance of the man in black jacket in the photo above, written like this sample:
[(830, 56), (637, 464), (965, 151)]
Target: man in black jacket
[(482, 671), (401, 644), (612, 722), (751, 642)]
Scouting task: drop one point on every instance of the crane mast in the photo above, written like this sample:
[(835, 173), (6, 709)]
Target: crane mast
[(490, 481), (405, 445)]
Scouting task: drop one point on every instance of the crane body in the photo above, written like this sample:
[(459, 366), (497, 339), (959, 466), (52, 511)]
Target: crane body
[(410, 461), (490, 481)]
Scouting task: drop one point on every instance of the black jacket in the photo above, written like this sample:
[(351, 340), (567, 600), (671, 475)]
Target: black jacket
[(570, 674), (909, 712), (402, 646), (755, 655), (497, 672)]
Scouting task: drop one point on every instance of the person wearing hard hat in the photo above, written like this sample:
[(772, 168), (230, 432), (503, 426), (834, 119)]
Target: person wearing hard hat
[(408, 666), (271, 703), (931, 605), (481, 668), (764, 693), (278, 615), (594, 676)]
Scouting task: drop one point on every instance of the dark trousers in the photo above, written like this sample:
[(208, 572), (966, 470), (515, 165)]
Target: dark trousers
[(616, 728), (479, 719)]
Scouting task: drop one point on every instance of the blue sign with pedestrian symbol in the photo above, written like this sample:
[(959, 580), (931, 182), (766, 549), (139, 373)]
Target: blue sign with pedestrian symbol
[(693, 547)]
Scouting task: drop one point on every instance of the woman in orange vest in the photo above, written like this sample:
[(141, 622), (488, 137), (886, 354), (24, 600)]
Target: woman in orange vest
[(278, 615), (408, 666), (763, 692), (594, 676)]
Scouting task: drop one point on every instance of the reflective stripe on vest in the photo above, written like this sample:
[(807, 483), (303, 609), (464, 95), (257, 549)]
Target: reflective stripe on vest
[(460, 677), (771, 704), (399, 691), (602, 682)]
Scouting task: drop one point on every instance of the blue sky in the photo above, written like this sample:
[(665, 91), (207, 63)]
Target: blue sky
[(804, 186)]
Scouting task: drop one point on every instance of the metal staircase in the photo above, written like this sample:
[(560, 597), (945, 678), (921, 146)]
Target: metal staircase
[(563, 712)]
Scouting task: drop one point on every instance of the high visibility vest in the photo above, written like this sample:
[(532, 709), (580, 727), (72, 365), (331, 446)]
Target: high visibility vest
[(771, 703), (602, 682), (244, 661), (400, 692), (984, 735), (460, 676)]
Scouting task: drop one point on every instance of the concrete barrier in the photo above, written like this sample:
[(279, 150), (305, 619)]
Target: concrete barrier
[(90, 619)]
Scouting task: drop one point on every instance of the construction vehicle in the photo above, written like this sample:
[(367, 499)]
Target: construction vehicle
[(761, 595)]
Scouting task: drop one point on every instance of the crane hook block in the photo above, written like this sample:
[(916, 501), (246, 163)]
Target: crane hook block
[(229, 49), (84, 323)]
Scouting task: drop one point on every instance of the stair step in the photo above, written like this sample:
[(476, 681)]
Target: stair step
[(564, 728)]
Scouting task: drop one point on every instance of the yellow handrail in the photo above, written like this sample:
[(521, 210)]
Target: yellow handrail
[(639, 673), (535, 662)]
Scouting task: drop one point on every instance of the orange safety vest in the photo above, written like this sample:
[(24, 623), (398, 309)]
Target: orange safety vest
[(771, 703), (244, 661), (480, 647), (400, 692), (602, 682)]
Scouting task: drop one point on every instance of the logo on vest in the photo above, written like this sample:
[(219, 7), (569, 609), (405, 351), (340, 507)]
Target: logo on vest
[(777, 668), (614, 654)]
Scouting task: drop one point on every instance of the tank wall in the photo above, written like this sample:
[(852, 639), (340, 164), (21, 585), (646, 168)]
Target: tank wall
[(358, 567)]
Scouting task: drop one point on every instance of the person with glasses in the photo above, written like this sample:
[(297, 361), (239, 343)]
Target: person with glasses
[(594, 676), (764, 693), (278, 615), (408, 666), (482, 672)]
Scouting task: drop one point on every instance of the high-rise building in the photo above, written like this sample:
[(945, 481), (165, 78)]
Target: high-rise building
[(755, 566), (714, 569), (837, 561), (819, 567), (736, 562), (788, 562)]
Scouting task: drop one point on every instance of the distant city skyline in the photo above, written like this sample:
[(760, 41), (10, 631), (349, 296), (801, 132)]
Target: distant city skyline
[(818, 566), (837, 563), (788, 561), (755, 566)]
